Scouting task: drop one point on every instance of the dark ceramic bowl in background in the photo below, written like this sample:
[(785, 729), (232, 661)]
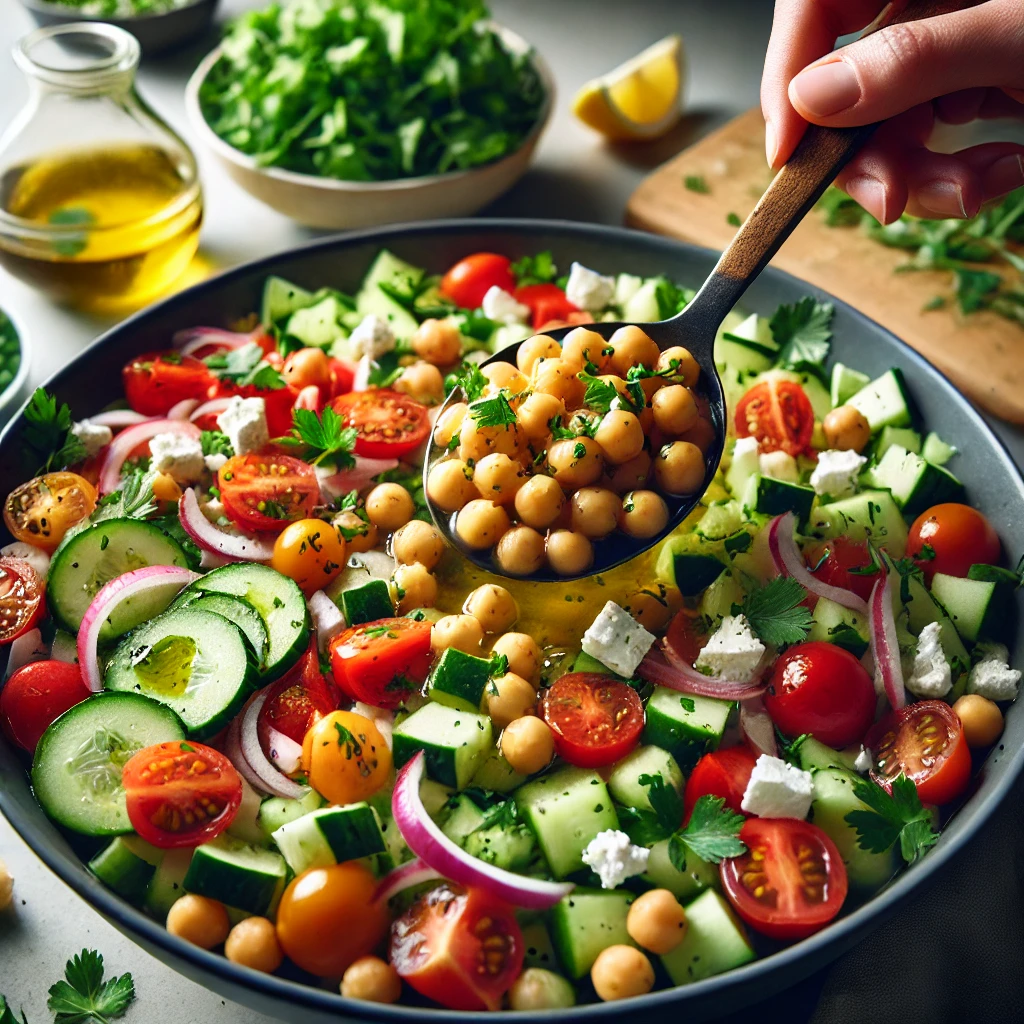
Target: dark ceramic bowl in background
[(993, 483)]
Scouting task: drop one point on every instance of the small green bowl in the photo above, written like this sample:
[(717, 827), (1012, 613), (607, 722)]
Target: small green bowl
[(14, 366)]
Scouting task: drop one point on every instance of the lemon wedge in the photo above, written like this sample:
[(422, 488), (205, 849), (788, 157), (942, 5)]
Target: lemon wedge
[(640, 99)]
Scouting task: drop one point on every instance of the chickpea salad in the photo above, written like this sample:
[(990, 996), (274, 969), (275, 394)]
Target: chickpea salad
[(272, 708)]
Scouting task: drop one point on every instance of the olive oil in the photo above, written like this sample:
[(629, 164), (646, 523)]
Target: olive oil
[(105, 229)]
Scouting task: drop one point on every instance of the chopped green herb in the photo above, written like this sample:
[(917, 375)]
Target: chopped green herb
[(712, 833), (803, 334), (323, 437), (48, 433), (776, 613), (696, 183), (733, 219), (493, 412), (470, 378), (84, 997), (245, 367), (539, 269), (897, 818)]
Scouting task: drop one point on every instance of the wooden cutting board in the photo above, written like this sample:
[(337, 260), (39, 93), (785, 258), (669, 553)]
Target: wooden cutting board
[(982, 353)]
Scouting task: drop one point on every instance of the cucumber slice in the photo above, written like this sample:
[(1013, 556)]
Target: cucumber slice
[(168, 883), (281, 298), (99, 554), (458, 680), (247, 877), (76, 771), (126, 866), (885, 401), (586, 922), (319, 325), (236, 610), (715, 941), (686, 725), (845, 383), (197, 663)]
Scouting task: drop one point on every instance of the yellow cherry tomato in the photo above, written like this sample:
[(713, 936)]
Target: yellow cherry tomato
[(346, 757), (42, 510), (311, 552)]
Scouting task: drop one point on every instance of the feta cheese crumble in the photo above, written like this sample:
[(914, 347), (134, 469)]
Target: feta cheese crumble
[(373, 337), (992, 677), (617, 640), (836, 472), (744, 447), (778, 789), (589, 290), (499, 305), (245, 423), (215, 461), (732, 652), (931, 676), (778, 465), (863, 761), (93, 436), (614, 858), (180, 457)]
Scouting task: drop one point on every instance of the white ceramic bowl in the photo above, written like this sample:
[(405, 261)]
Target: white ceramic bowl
[(16, 392), (331, 203)]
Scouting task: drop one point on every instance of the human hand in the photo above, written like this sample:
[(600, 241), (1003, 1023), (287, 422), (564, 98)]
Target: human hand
[(953, 68)]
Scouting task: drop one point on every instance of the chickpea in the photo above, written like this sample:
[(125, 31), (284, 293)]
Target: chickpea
[(620, 972), (476, 442), (450, 485), (575, 463), (632, 347), (509, 697), (520, 552), (539, 502), (416, 586), (463, 632), (630, 475), (582, 346), (422, 381), (372, 979), (540, 989), (449, 423), (438, 342), (650, 386), (981, 718), (644, 514), (680, 360), (493, 606), (537, 412), (569, 553), (674, 409), (497, 478), (389, 506), (505, 375), (533, 350), (6, 887), (620, 436), (199, 920), (702, 434), (523, 653), (846, 428), (652, 609), (307, 367), (527, 744), (656, 921), (358, 533), (679, 468), (595, 511), (418, 541), (253, 943), (554, 377), (618, 383), (480, 523)]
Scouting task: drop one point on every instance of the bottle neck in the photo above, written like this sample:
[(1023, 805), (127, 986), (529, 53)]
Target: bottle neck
[(93, 59)]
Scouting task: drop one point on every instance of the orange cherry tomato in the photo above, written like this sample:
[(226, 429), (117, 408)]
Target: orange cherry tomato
[(950, 538), (311, 552), (346, 757), (42, 510)]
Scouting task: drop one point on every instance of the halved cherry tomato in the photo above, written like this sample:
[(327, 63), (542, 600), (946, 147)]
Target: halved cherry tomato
[(950, 538), (821, 689), (462, 948), (42, 510), (471, 278), (595, 720), (295, 702), (180, 793), (547, 302), (831, 561), (388, 424), (924, 741), (791, 881), (267, 492), (343, 375), (21, 599), (36, 695), (158, 380), (723, 773), (779, 414), (278, 401), (382, 663), (685, 634)]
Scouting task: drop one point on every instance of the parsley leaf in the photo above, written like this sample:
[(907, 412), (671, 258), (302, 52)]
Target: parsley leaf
[(7, 1013), (602, 395), (899, 818), (664, 800), (215, 442), (790, 749), (733, 219), (245, 367), (712, 833), (803, 335), (776, 614), (493, 412), (85, 998), (321, 437), (470, 378), (134, 500), (48, 433), (697, 183), (997, 574), (539, 269)]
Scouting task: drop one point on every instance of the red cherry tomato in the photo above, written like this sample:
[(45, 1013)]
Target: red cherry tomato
[(36, 695), (779, 414), (158, 380), (295, 702), (279, 403), (823, 690), (791, 881), (462, 948), (267, 492), (924, 741), (342, 377), (596, 720), (388, 424), (547, 302), (723, 773), (471, 278), (686, 636), (180, 793), (831, 561), (21, 599), (950, 538), (382, 663)]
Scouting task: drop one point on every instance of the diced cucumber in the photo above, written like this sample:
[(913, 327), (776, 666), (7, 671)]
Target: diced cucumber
[(511, 847), (458, 679), (870, 515), (922, 608), (642, 307), (743, 354), (496, 774), (539, 951), (817, 394), (389, 270), (366, 602), (463, 816), (566, 809), (434, 796), (845, 383), (168, 883), (246, 825), (686, 725), (844, 627), (455, 742), (689, 563), (884, 402), (813, 754), (98, 554), (624, 779), (684, 885), (588, 663), (236, 610), (937, 451), (330, 835), (76, 770), (319, 325), (195, 662), (718, 600), (743, 467), (905, 437), (626, 286), (715, 941), (773, 497), (586, 922), (126, 866), (978, 609), (915, 484), (277, 811), (721, 520), (280, 298), (374, 302), (247, 877)]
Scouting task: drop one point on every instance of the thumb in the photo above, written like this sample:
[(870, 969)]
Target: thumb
[(903, 65)]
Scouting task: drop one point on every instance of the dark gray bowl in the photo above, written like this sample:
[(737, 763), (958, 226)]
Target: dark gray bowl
[(156, 33), (993, 483)]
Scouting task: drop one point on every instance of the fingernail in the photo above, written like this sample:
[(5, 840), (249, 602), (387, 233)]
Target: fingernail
[(945, 198), (1006, 174), (870, 193), (771, 144), (827, 88)]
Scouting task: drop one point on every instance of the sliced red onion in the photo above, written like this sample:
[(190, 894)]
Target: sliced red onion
[(271, 779), (233, 751), (211, 560), (415, 872), (125, 442), (214, 407), (183, 409), (117, 418), (360, 476), (757, 726), (195, 338), (885, 648), (381, 717), (439, 852), (156, 584), (789, 562), (361, 380), (308, 398), (327, 618), (666, 668), (236, 547), (285, 753)]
